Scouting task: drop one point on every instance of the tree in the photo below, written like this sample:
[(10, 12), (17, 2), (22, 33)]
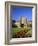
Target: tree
[(13, 23)]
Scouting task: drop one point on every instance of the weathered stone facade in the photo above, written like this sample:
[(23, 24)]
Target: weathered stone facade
[(22, 20)]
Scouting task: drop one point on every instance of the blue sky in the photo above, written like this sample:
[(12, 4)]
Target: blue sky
[(16, 12)]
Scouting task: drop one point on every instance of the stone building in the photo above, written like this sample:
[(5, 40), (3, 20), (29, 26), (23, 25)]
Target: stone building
[(22, 20)]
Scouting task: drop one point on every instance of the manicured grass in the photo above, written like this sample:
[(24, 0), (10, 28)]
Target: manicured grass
[(14, 30)]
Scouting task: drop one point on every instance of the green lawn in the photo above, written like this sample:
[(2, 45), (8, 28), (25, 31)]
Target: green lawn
[(14, 30)]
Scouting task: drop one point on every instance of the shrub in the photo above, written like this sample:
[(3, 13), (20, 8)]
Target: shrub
[(14, 25), (29, 34), (26, 29), (22, 25)]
